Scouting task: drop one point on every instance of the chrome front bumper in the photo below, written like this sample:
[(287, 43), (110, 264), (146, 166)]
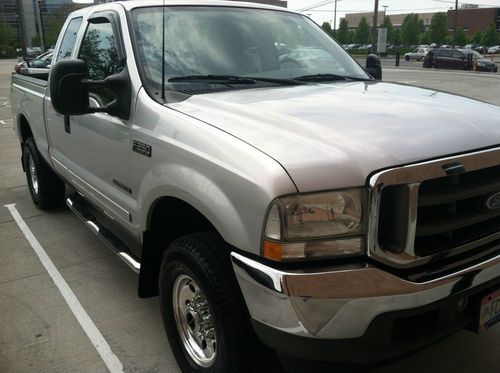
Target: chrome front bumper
[(341, 302)]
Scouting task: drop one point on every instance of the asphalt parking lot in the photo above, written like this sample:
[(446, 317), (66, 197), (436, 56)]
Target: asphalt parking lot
[(40, 333)]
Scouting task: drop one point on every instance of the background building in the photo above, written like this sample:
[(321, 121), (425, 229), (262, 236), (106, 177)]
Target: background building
[(474, 19), (353, 19)]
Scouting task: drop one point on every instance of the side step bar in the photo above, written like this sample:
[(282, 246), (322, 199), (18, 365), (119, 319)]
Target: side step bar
[(79, 206)]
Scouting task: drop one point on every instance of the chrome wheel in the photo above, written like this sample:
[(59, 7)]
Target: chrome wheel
[(194, 321), (33, 175)]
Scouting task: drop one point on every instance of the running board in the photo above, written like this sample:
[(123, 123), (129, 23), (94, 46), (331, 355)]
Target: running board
[(82, 209)]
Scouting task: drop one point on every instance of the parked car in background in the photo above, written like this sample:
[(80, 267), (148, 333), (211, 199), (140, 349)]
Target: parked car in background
[(458, 59), (471, 46), (481, 49), (417, 54), (446, 46), (494, 50), (38, 66)]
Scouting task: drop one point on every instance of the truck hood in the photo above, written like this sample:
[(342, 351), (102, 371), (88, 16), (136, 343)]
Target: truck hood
[(329, 136)]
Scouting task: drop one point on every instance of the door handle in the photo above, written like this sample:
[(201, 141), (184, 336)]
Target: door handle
[(67, 126)]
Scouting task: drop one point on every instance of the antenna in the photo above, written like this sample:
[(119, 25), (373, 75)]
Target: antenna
[(163, 53)]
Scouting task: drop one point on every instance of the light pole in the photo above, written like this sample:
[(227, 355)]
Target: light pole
[(375, 24), (42, 33), (335, 20), (456, 23)]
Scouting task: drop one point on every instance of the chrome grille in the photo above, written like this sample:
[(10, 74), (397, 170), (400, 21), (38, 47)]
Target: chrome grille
[(432, 211)]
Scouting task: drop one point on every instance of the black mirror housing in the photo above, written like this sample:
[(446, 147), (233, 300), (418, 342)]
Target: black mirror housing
[(69, 90), (374, 66), (68, 93)]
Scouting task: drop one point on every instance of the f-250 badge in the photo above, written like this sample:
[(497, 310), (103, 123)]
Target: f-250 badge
[(141, 148)]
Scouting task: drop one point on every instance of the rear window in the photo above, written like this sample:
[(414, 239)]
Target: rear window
[(69, 39)]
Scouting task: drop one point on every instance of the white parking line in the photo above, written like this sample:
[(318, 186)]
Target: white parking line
[(95, 336)]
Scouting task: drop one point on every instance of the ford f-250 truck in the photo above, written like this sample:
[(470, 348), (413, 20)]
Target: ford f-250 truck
[(265, 185)]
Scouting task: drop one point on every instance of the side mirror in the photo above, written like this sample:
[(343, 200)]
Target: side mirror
[(374, 66), (68, 93), (69, 90)]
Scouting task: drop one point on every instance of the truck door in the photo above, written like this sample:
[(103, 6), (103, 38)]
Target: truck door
[(99, 143), (56, 123)]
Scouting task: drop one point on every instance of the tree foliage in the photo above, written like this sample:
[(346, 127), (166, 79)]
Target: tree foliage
[(476, 39), (490, 36), (411, 27), (390, 28), (6, 34), (396, 37), (327, 28), (363, 32), (438, 30), (352, 36), (461, 37), (54, 22), (342, 33)]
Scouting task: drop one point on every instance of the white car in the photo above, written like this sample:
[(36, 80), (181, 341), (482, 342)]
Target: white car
[(418, 54), (494, 50)]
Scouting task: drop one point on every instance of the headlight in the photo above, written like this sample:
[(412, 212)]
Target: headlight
[(316, 225)]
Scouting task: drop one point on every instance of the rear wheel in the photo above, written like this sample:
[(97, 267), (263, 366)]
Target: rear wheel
[(46, 188), (407, 58), (203, 311)]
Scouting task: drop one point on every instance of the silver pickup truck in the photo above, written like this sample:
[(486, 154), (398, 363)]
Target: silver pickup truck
[(266, 186)]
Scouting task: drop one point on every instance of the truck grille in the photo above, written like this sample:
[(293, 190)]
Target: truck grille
[(436, 210), (452, 211)]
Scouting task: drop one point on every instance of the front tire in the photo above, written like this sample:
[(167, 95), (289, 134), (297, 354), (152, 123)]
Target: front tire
[(203, 311), (407, 58), (46, 188)]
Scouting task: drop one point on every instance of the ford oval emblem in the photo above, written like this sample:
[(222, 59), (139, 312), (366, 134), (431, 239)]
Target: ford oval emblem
[(493, 202)]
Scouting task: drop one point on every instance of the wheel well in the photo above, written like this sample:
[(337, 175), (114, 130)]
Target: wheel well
[(24, 128), (169, 219), (25, 132)]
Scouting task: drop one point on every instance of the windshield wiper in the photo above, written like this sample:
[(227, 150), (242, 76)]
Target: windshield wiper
[(214, 79), (327, 78), (233, 79)]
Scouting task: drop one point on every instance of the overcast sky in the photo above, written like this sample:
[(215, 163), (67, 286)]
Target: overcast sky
[(325, 12)]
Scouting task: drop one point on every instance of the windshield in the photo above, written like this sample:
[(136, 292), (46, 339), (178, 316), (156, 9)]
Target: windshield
[(237, 42)]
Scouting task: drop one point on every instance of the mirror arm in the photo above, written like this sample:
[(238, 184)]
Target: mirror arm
[(93, 83)]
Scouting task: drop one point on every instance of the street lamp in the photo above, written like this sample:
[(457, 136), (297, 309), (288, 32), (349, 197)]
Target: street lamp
[(335, 20)]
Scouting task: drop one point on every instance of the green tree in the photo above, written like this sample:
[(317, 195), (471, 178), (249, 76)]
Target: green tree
[(352, 36), (461, 37), (6, 34), (54, 22), (438, 30), (35, 41), (327, 28), (424, 38), (411, 27), (363, 32), (342, 33), (476, 39), (390, 29), (396, 37), (490, 37)]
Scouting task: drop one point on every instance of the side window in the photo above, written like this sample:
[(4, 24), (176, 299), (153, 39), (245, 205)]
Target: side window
[(99, 51), (446, 53), (458, 55), (69, 38)]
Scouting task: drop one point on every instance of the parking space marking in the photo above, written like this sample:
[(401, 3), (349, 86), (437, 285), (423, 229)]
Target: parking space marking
[(95, 336)]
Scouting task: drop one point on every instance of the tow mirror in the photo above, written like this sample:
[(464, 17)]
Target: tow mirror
[(374, 66), (70, 84)]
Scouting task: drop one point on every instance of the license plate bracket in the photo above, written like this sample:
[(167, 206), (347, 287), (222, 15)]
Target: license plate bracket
[(489, 312)]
